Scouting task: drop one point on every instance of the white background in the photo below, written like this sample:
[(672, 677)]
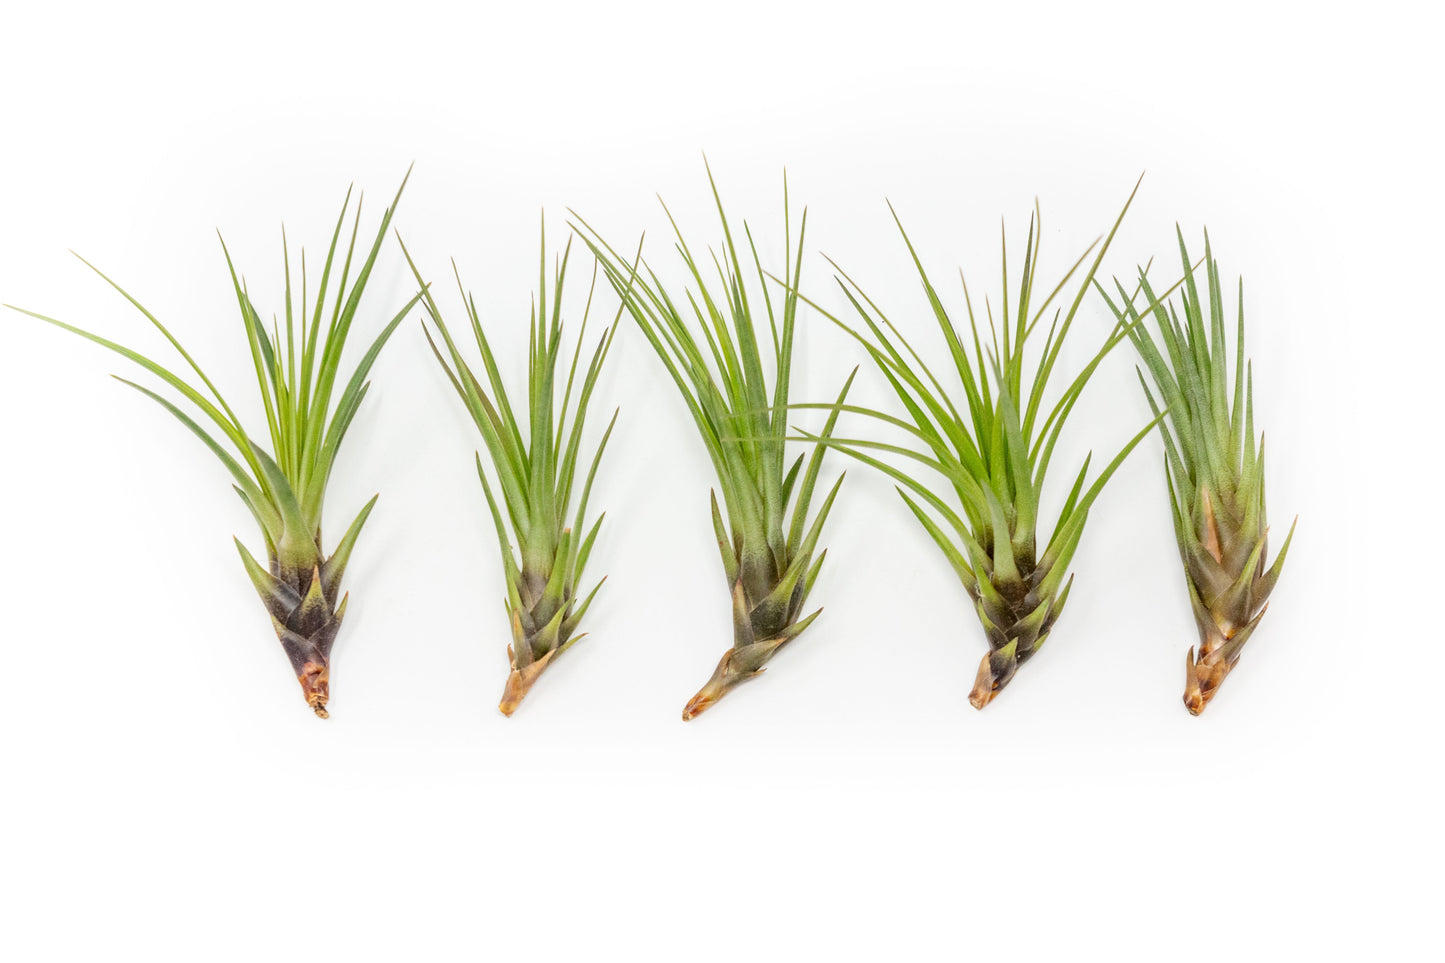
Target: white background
[(164, 794)]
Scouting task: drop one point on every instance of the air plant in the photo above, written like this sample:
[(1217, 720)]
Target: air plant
[(712, 352), (1214, 472), (535, 459), (285, 487), (993, 452)]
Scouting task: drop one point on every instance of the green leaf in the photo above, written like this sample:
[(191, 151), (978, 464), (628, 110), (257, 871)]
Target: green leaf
[(335, 566), (279, 598), (266, 514)]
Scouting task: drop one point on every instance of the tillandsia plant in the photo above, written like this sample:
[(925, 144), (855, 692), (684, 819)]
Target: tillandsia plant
[(992, 453), (536, 462), (716, 361), (285, 488), (1213, 469)]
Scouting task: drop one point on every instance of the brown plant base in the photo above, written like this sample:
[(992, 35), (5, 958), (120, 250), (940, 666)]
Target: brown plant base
[(307, 629), (994, 672), (520, 680), (1202, 679), (1029, 620), (1217, 658), (316, 684), (777, 626), (1226, 568), (736, 667), (311, 660)]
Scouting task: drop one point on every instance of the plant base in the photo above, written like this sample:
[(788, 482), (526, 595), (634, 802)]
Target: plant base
[(1203, 677), (520, 680), (316, 684), (736, 667), (994, 672)]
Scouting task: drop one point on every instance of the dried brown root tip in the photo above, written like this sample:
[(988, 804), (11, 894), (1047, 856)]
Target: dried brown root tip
[(984, 688), (520, 681), (727, 676), (513, 694), (1202, 680), (705, 699), (994, 672), (315, 682)]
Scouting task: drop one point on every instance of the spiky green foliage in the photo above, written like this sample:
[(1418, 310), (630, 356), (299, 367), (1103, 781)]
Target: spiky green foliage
[(713, 354), (535, 458), (993, 452), (285, 487), (1214, 471)]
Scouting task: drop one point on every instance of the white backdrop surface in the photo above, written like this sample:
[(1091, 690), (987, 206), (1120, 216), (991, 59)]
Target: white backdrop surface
[(164, 794)]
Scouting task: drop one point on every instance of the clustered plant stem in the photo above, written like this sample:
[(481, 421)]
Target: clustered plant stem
[(712, 352), (993, 450), (1213, 469), (298, 374), (535, 458)]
